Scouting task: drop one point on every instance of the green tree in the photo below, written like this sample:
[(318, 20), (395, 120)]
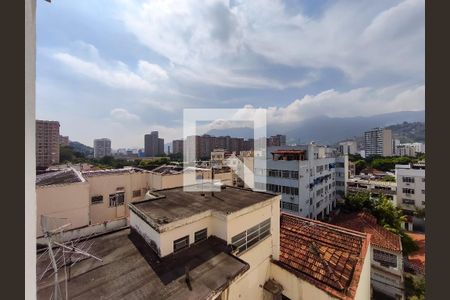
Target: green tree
[(359, 202), (66, 154), (414, 287), (388, 215), (360, 165), (389, 178)]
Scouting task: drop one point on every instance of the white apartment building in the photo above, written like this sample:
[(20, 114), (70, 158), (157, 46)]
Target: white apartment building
[(405, 150), (378, 141), (420, 147), (342, 174), (410, 186), (232, 244), (374, 187), (102, 147), (412, 148), (348, 147), (304, 175)]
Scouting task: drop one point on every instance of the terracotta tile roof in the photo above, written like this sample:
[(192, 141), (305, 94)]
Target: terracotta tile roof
[(367, 223), (327, 256)]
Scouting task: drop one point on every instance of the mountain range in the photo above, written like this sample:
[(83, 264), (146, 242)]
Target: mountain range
[(326, 130)]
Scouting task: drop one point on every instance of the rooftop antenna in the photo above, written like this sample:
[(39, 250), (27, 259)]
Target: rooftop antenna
[(57, 253)]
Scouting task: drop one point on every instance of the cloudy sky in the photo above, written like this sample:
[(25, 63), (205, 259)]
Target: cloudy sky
[(119, 69)]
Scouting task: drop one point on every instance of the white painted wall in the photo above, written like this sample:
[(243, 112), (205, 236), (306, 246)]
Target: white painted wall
[(30, 149), (363, 292)]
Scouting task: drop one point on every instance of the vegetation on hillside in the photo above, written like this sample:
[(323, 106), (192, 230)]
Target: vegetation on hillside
[(409, 132)]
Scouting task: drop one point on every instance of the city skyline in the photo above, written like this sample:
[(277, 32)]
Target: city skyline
[(212, 56)]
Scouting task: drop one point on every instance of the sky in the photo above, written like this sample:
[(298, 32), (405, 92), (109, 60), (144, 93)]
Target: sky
[(120, 69)]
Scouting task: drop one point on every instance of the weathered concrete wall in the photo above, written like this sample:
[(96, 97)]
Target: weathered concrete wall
[(105, 185), (69, 201)]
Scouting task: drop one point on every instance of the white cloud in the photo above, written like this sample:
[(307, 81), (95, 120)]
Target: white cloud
[(118, 77), (121, 114), (356, 102), (220, 43), (151, 72), (85, 60)]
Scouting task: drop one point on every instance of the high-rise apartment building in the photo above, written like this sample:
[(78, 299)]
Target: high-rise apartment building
[(205, 144), (304, 175), (378, 141), (47, 143), (177, 146), (102, 147), (276, 140), (153, 144)]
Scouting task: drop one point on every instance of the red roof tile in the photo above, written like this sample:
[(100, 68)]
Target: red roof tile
[(367, 223), (327, 256)]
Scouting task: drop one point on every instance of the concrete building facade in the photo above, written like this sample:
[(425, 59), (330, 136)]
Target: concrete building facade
[(47, 143), (110, 191), (378, 141), (348, 147), (62, 196), (374, 187), (276, 140), (177, 146), (343, 173), (410, 186), (153, 144), (102, 147), (304, 175), (405, 150)]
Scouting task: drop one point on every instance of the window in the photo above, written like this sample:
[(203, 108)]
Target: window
[(408, 201), (286, 174), (181, 243), (423, 192), (290, 206), (201, 235), (120, 198), (248, 238), (408, 179), (294, 174), (116, 199), (408, 191), (136, 193), (385, 259), (97, 199)]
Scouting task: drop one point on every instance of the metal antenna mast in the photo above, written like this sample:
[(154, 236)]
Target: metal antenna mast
[(57, 258)]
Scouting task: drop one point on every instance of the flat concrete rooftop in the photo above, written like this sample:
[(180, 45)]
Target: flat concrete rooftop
[(175, 204), (131, 270)]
